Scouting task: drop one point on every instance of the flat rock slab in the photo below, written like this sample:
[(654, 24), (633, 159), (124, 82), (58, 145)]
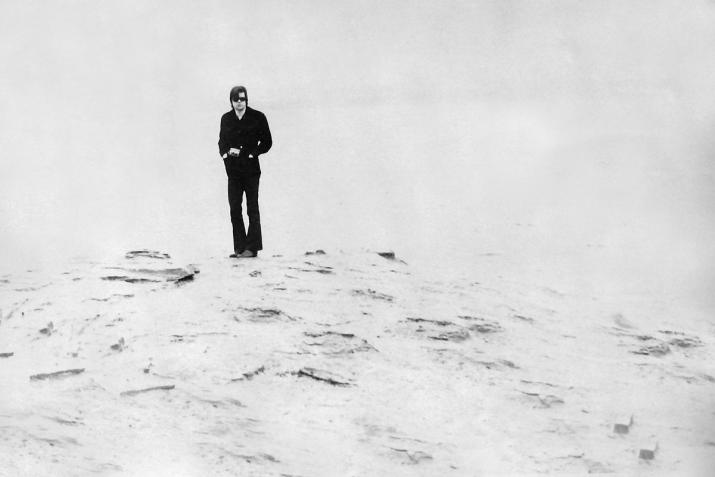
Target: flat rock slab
[(57, 374), (124, 278), (322, 375), (134, 392), (147, 254)]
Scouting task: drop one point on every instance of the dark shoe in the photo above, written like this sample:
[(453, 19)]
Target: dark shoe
[(248, 254), (236, 254)]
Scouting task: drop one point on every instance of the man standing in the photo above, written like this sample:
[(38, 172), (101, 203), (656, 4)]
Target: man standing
[(244, 135)]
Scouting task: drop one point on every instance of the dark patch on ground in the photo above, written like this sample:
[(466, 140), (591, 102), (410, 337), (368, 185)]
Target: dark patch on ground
[(545, 401), (524, 318), (435, 322), (373, 294), (129, 279), (482, 325), (686, 342), (134, 392), (147, 254), (413, 457), (339, 343), (266, 314), (318, 269), (323, 376), (252, 374), (56, 374), (316, 252), (456, 335), (391, 256)]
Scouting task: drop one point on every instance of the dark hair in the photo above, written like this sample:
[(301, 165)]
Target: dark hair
[(234, 93)]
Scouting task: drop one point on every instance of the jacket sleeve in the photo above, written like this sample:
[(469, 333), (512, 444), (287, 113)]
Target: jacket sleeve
[(222, 144), (264, 137)]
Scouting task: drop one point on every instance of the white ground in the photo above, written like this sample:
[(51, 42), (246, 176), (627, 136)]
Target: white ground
[(340, 364)]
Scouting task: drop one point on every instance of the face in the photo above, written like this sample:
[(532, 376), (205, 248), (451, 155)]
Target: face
[(239, 105)]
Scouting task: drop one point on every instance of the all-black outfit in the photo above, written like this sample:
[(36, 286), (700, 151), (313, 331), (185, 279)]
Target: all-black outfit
[(252, 136)]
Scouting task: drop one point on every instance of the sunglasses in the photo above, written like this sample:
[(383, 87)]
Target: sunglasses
[(240, 98)]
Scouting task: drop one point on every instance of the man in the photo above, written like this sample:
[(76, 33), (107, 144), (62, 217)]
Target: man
[(244, 136)]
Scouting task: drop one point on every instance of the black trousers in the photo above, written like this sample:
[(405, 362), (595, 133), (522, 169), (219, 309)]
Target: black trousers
[(238, 184)]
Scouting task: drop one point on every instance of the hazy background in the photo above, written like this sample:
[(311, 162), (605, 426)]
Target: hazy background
[(551, 141)]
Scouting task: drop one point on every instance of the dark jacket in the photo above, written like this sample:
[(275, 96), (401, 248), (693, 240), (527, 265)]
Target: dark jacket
[(251, 134)]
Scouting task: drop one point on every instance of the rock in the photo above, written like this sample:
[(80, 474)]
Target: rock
[(146, 390), (391, 256), (129, 279), (119, 346), (322, 375), (317, 252), (186, 278), (623, 425), (56, 374), (48, 330), (648, 452), (250, 375), (147, 254)]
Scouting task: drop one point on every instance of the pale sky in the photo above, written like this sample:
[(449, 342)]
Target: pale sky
[(110, 115)]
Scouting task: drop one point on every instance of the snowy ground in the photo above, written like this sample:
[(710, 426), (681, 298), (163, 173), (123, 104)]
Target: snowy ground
[(342, 363)]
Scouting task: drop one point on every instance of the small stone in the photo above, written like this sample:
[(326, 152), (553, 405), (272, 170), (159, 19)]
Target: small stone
[(648, 452), (317, 252), (623, 425), (134, 392), (119, 346), (48, 329)]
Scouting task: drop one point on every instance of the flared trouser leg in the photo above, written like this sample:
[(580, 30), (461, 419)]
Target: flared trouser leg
[(243, 239)]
